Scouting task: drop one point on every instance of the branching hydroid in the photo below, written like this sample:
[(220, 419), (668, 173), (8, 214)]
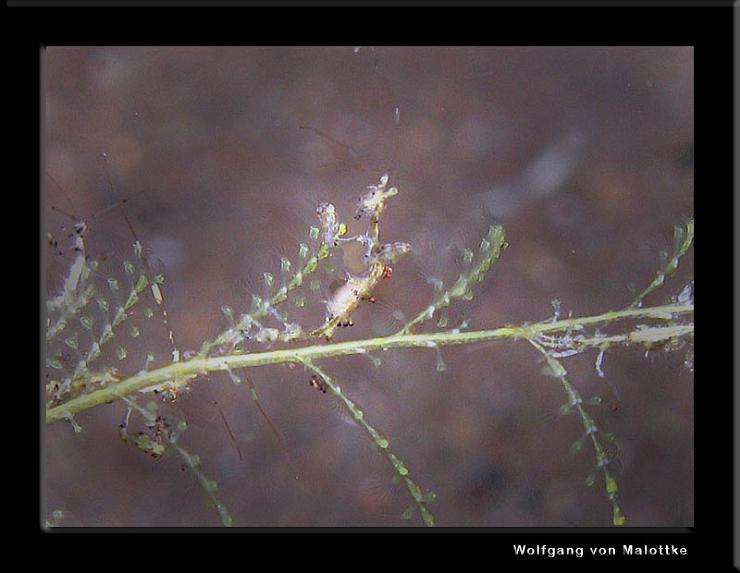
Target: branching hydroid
[(93, 309)]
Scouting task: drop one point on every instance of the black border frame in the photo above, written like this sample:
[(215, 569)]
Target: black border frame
[(709, 29)]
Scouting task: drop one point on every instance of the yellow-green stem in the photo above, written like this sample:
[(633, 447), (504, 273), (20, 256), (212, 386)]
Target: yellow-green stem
[(181, 371)]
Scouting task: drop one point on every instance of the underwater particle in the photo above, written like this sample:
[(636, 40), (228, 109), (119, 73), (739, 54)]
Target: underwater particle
[(467, 256), (441, 366), (257, 305), (56, 519), (599, 361), (556, 309), (303, 251), (269, 279), (686, 296), (284, 265), (157, 293), (688, 362)]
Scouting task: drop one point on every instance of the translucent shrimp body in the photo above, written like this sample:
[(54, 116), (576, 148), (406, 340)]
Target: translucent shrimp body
[(345, 297), (373, 201)]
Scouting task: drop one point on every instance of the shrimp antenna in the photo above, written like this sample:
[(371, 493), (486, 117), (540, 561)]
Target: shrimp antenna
[(277, 433), (228, 429), (351, 158), (331, 139), (64, 193)]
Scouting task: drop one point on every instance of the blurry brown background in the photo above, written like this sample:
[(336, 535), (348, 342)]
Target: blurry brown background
[(584, 154)]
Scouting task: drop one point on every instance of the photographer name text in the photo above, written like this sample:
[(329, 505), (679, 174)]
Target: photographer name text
[(636, 550)]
